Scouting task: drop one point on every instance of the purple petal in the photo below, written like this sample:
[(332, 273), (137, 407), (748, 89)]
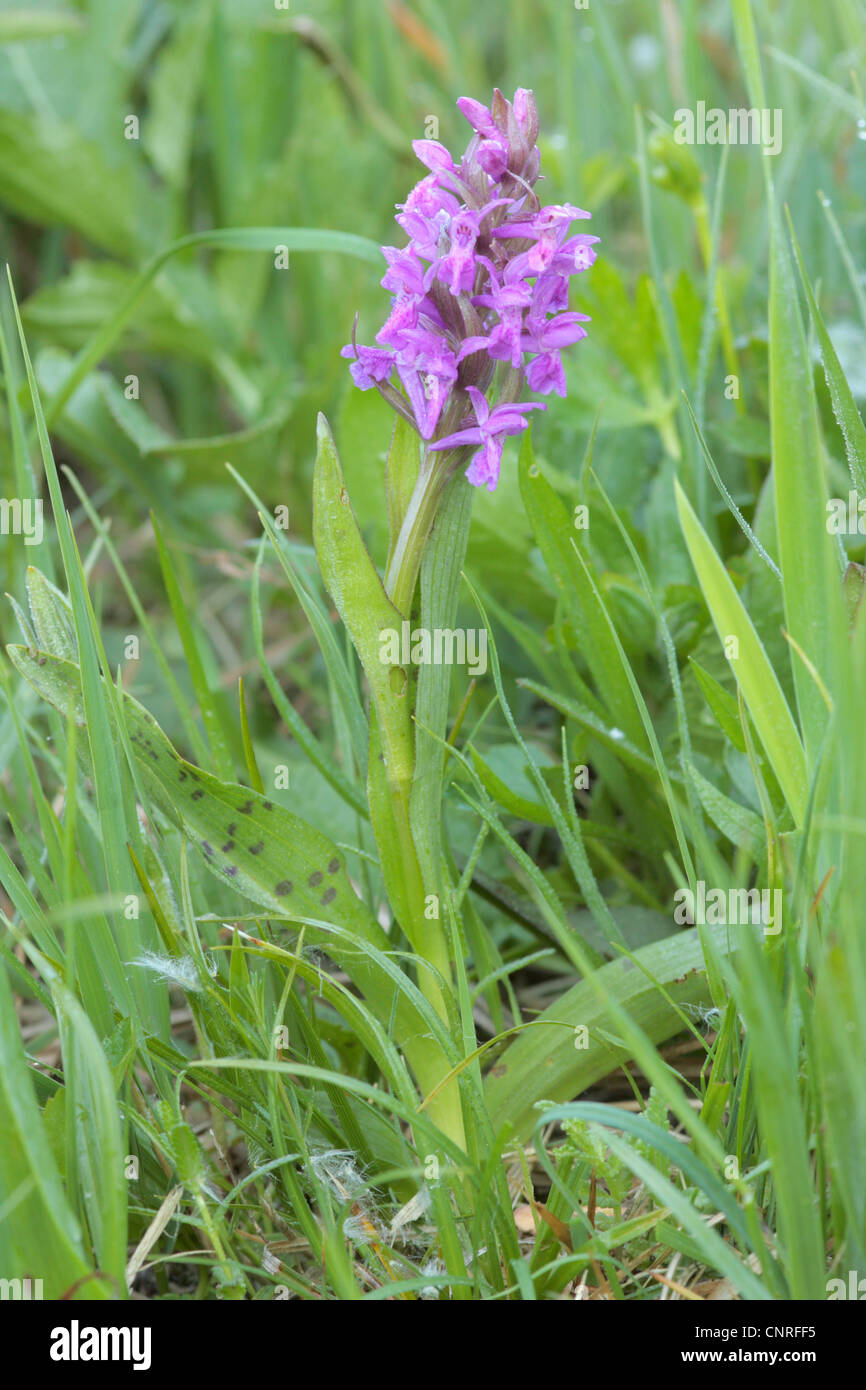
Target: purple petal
[(526, 114), (405, 272), (546, 373), (563, 330), (479, 117), (471, 345), (404, 314), (479, 404), (434, 155), (370, 365), (508, 419), (418, 399), (460, 437), (483, 470), (492, 155)]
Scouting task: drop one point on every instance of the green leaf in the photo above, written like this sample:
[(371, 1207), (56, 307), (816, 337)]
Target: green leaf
[(93, 1109), (556, 538), (52, 175), (315, 752), (782, 1104), (509, 800), (813, 597), (52, 616), (740, 825), (545, 1061), (343, 683), (752, 669), (258, 847), (848, 417), (722, 704), (612, 739), (20, 24), (174, 89), (39, 1236), (359, 597), (209, 704), (838, 1021)]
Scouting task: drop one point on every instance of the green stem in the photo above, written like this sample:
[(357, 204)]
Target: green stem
[(434, 965), (405, 562), (430, 944), (726, 333)]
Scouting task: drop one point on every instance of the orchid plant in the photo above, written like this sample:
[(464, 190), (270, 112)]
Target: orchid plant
[(479, 315)]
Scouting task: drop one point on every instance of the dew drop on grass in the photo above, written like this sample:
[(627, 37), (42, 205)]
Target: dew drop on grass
[(861, 128)]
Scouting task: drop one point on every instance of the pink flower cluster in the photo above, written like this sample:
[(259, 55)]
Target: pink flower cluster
[(480, 293)]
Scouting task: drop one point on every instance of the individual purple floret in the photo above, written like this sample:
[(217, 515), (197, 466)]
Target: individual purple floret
[(479, 306), (490, 425)]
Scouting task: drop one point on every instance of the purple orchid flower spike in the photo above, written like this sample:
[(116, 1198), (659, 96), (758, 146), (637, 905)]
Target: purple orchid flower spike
[(480, 293), (479, 307)]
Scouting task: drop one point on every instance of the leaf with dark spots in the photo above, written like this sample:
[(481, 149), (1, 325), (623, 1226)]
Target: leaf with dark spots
[(292, 850), (280, 841)]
